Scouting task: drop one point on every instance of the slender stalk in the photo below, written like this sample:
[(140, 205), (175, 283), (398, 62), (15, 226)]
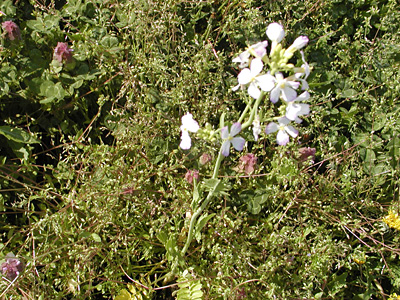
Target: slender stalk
[(254, 111), (203, 205)]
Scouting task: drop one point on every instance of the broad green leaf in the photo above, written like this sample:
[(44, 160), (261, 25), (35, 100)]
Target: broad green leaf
[(18, 135)]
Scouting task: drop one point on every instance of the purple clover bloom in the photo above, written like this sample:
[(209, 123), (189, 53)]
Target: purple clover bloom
[(12, 30), (229, 138), (12, 267), (62, 53)]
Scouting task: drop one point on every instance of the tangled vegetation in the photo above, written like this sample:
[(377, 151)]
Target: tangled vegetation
[(97, 196)]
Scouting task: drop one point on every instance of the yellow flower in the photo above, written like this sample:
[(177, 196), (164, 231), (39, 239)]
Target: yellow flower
[(392, 220), (394, 297)]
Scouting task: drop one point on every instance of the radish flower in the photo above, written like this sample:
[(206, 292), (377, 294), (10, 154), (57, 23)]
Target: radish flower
[(188, 124), (251, 76), (275, 32), (229, 138), (257, 50), (295, 109), (284, 87), (284, 130)]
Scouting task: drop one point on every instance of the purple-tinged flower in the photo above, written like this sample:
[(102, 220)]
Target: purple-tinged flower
[(12, 30), (2, 14), (298, 44), (188, 124), (229, 138), (205, 158), (62, 53), (251, 76), (283, 87), (275, 32), (307, 152), (191, 174), (12, 267), (295, 109), (257, 50), (284, 130), (247, 163)]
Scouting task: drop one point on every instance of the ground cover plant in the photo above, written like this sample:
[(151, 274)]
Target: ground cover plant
[(143, 154)]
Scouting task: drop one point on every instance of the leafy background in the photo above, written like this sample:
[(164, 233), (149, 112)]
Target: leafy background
[(92, 180)]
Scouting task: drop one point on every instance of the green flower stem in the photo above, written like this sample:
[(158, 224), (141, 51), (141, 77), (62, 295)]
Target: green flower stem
[(202, 206), (253, 111)]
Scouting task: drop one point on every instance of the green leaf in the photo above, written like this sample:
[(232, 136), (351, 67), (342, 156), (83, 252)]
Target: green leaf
[(201, 222), (18, 135), (96, 237)]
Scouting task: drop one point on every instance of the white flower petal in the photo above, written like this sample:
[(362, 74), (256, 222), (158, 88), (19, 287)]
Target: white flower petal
[(266, 82), (238, 143), (274, 95), (225, 148), (224, 133), (303, 96), (271, 127), (288, 94), (282, 138), (256, 66), (275, 32), (245, 76), (253, 90), (190, 124), (235, 129), (186, 142), (292, 131)]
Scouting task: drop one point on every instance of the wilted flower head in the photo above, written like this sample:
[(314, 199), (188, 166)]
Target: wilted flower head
[(247, 163), (191, 174), (12, 30), (12, 267), (307, 152), (188, 124), (62, 53), (205, 158)]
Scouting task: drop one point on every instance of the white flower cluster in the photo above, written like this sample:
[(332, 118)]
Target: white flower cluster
[(252, 62)]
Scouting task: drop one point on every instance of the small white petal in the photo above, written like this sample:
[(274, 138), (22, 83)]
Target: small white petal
[(274, 95), (186, 142), (238, 143), (245, 76), (235, 129), (253, 90), (224, 133), (266, 82), (256, 66), (282, 138), (275, 32), (292, 131), (271, 127), (288, 94), (190, 124), (225, 148), (300, 42)]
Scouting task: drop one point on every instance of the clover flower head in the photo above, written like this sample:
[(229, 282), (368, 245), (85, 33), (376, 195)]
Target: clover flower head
[(284, 87), (275, 32), (188, 125), (257, 50), (229, 138), (284, 130), (251, 76), (295, 109), (256, 127), (62, 53), (306, 152), (12, 267), (12, 30), (247, 163), (191, 174)]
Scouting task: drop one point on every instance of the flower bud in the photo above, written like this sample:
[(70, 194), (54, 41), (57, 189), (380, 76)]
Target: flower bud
[(275, 32)]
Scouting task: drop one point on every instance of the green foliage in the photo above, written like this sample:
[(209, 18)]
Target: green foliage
[(92, 180)]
